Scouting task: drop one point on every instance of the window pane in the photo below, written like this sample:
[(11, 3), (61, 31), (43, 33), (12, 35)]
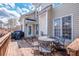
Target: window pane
[(37, 29), (57, 28), (29, 30), (66, 27)]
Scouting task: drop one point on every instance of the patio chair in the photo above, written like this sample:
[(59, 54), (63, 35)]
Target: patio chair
[(60, 46), (44, 48), (35, 46), (45, 51)]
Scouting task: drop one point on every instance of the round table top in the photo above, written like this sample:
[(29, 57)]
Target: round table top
[(44, 38)]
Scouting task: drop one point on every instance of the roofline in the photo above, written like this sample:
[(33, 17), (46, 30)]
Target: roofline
[(44, 9)]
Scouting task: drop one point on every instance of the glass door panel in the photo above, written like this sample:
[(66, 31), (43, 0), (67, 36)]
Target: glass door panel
[(57, 28), (66, 27)]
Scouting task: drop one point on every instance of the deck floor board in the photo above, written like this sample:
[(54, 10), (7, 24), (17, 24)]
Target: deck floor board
[(23, 48), (19, 48), (12, 49)]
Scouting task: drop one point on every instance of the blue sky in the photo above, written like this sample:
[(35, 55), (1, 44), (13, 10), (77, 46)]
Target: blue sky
[(17, 8)]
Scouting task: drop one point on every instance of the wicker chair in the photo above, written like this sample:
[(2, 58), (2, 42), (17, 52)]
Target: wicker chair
[(44, 48), (60, 45)]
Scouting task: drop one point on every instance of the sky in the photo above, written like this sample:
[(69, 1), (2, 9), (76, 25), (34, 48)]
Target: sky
[(17, 8), (14, 10)]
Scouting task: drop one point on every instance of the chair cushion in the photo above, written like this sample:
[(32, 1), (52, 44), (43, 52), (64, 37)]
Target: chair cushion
[(47, 50)]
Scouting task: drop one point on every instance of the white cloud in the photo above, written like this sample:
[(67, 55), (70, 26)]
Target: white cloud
[(2, 8), (24, 9), (4, 20), (12, 4), (0, 4), (31, 7), (15, 13), (8, 11), (5, 3), (8, 6), (19, 10)]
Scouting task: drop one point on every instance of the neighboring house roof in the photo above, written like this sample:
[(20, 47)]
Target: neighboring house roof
[(27, 15), (45, 9), (30, 19)]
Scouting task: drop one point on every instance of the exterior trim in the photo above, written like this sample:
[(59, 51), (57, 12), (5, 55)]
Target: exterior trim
[(47, 22), (61, 23)]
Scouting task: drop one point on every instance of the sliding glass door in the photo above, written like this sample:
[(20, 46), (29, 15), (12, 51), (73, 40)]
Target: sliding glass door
[(29, 30), (63, 27), (57, 28), (66, 27)]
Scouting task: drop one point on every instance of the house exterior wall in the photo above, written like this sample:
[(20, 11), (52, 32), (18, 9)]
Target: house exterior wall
[(69, 9), (45, 21), (17, 28), (50, 23), (42, 24), (26, 23)]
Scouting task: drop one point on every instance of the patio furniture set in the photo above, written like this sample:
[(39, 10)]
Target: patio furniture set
[(48, 46)]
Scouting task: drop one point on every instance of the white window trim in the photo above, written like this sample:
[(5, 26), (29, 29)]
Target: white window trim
[(53, 26), (71, 24), (61, 23), (47, 23)]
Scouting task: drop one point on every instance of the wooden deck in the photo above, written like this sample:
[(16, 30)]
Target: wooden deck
[(4, 40), (23, 48), (19, 48)]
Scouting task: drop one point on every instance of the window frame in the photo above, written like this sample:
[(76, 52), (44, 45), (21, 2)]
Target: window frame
[(60, 26), (66, 27), (61, 23)]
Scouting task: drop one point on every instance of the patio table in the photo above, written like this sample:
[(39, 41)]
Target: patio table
[(45, 40)]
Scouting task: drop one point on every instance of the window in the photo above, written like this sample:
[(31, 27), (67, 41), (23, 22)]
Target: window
[(29, 30), (57, 28), (36, 28), (62, 27), (66, 27)]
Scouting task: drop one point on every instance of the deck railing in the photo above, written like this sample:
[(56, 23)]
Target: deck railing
[(4, 43)]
